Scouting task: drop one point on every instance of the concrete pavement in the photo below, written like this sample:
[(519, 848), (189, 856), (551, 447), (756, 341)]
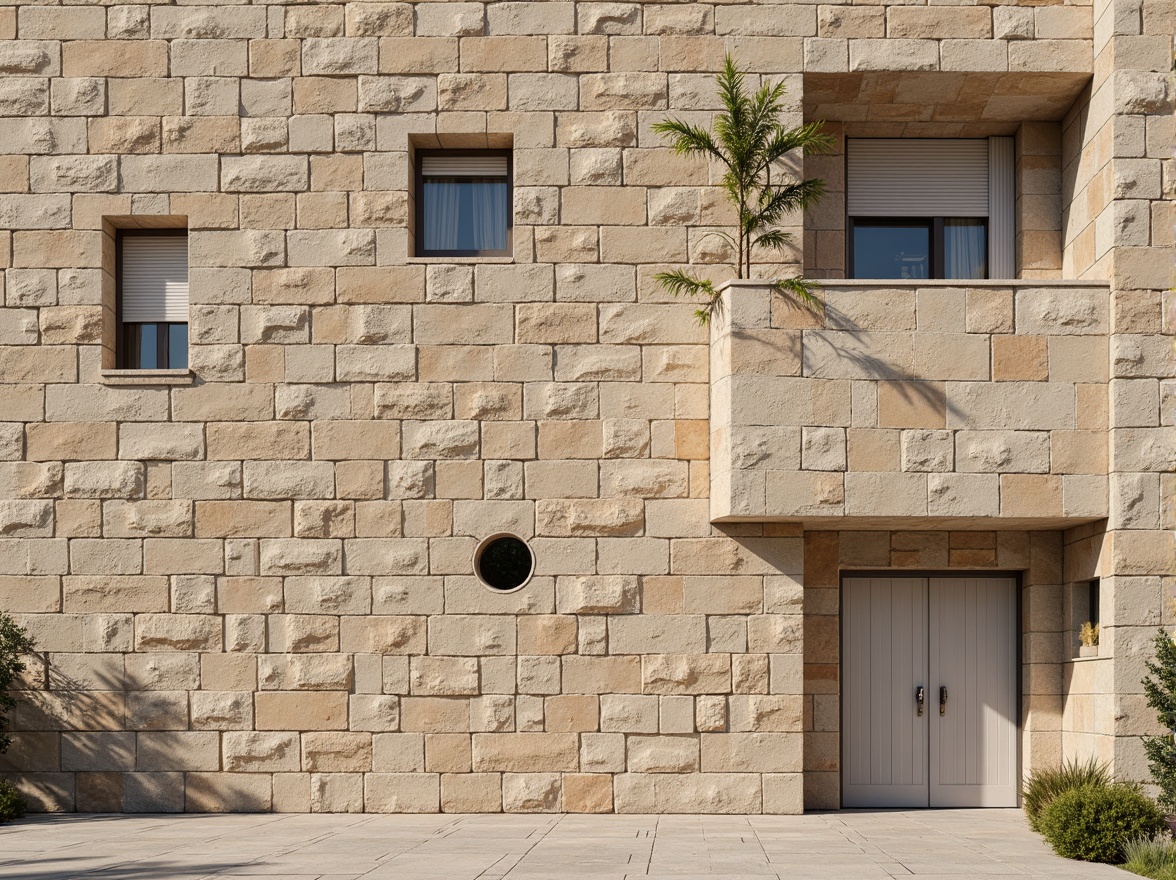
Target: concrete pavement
[(822, 846)]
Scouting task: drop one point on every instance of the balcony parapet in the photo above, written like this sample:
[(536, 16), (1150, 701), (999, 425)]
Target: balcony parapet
[(982, 404)]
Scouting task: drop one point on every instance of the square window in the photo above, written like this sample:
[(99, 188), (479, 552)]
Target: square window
[(152, 289), (463, 203)]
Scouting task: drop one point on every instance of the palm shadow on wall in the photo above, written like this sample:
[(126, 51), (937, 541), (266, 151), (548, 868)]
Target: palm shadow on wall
[(104, 741), (813, 346)]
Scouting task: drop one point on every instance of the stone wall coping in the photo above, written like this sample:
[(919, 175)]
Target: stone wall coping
[(890, 283), (148, 377)]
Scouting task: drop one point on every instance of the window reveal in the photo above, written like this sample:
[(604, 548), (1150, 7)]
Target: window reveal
[(152, 277), (463, 204)]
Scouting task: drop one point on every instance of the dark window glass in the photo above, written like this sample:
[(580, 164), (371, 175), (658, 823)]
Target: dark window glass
[(156, 346), (505, 563), (177, 346), (965, 249), (891, 250), (142, 346), (906, 248), (465, 215)]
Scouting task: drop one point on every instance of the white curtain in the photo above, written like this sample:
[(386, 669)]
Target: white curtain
[(465, 215), (442, 215), (488, 213), (965, 249)]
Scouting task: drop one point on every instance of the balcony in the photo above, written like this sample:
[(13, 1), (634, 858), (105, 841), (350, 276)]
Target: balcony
[(912, 404)]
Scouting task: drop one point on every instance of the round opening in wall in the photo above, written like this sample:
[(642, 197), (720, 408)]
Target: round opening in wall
[(504, 563)]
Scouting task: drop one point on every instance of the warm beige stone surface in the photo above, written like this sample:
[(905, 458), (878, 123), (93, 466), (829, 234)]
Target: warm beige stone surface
[(253, 589)]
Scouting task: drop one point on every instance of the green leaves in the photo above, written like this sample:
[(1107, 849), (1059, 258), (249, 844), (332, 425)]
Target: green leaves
[(751, 143), (680, 283), (1161, 696), (14, 643)]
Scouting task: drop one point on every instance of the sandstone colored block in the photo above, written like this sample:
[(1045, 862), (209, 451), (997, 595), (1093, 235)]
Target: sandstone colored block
[(337, 752), (324, 710), (227, 792), (687, 793), (254, 752), (471, 793), (401, 792), (525, 752)]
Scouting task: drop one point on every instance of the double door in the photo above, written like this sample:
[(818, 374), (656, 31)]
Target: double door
[(929, 692)]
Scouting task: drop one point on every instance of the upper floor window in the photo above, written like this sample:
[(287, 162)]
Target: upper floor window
[(152, 277), (463, 203), (932, 208)]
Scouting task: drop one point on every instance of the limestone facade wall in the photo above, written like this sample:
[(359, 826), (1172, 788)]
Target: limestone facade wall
[(252, 587)]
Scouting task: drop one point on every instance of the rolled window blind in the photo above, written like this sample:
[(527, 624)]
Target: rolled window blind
[(926, 177), (463, 166), (1002, 221), (154, 279)]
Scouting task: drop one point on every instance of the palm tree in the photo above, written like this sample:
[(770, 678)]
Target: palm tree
[(748, 138)]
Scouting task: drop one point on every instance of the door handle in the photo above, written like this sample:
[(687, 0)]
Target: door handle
[(919, 699), (942, 701)]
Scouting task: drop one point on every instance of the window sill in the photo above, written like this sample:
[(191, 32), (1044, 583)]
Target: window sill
[(459, 260), (148, 377), (947, 282)]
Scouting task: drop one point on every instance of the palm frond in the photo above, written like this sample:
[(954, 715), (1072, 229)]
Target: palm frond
[(777, 202), (801, 290), (687, 139), (809, 137), (773, 239), (681, 283)]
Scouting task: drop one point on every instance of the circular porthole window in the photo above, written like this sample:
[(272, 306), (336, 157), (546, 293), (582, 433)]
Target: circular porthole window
[(504, 563)]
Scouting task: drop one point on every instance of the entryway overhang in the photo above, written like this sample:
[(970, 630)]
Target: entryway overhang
[(940, 103)]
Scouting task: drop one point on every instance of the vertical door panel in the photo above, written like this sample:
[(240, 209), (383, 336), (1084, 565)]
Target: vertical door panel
[(973, 653), (884, 658)]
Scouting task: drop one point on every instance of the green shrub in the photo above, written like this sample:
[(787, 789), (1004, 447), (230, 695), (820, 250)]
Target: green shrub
[(1161, 696), (14, 642), (1094, 823), (1153, 857), (12, 804), (1043, 786)]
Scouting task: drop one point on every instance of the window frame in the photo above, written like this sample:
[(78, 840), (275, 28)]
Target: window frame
[(122, 337), (419, 207), (938, 257)]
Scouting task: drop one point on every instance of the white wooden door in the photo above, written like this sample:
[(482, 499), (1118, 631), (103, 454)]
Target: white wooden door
[(884, 661), (954, 634), (974, 742)]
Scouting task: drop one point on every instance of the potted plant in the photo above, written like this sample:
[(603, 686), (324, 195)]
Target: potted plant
[(748, 140), (1088, 640)]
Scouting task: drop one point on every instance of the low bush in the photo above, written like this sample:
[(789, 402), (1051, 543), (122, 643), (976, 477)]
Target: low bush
[(1043, 786), (12, 804), (14, 644), (1153, 857), (1094, 823)]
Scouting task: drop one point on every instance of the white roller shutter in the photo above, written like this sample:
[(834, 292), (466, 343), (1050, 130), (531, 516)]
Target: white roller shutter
[(464, 166), (154, 278), (907, 177), (1002, 222)]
